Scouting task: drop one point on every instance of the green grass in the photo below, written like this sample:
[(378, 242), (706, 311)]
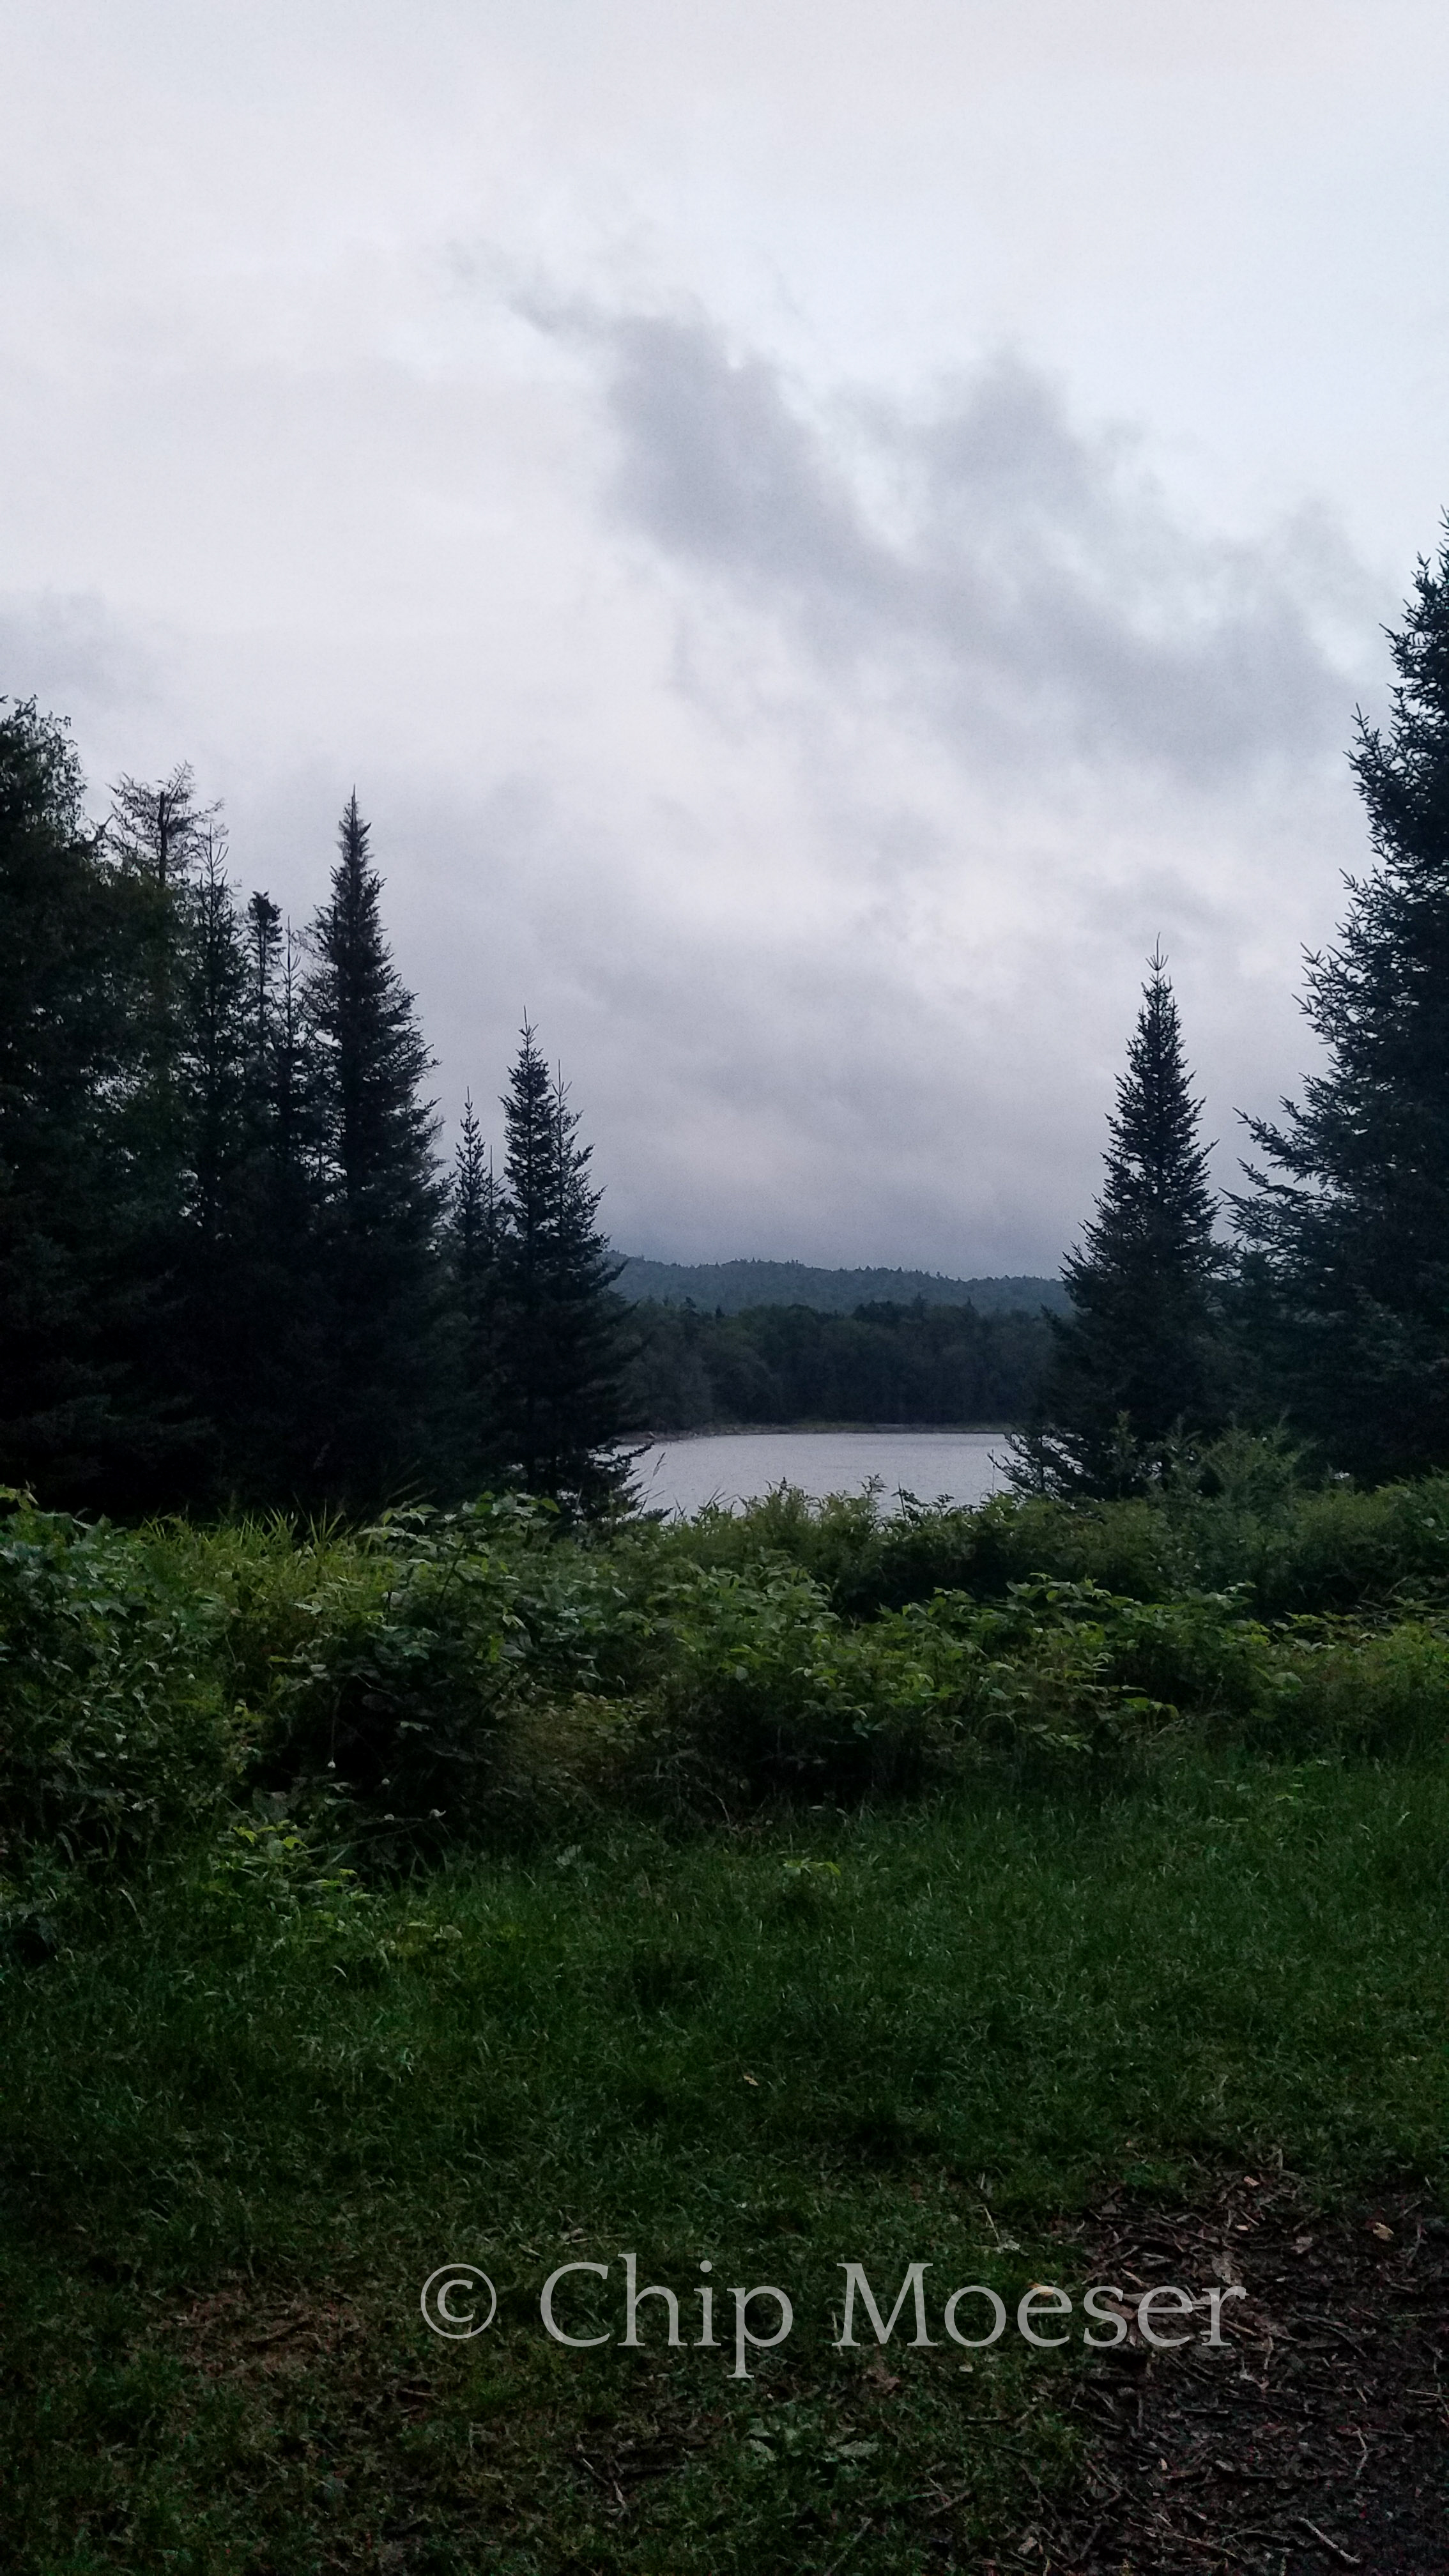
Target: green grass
[(247, 2112)]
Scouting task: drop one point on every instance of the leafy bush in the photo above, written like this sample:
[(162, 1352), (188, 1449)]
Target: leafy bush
[(761, 1684), (1239, 1518), (1384, 1695), (417, 1643), (487, 1670), (116, 1726)]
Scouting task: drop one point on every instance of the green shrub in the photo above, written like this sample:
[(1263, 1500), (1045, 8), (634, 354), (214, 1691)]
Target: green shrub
[(1240, 1519), (114, 1725), (487, 1670), (420, 1641), (1384, 1695), (762, 1685), (1070, 1668)]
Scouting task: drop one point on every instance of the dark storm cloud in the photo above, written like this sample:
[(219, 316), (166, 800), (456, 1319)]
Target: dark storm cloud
[(1016, 580)]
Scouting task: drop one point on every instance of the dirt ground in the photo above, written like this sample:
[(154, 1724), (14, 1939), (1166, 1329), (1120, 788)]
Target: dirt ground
[(1317, 2438)]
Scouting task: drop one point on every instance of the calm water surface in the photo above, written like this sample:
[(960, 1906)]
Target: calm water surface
[(736, 1466)]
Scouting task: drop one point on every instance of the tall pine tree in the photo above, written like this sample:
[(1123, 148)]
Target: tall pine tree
[(381, 1197), (74, 987), (1348, 1229), (1138, 1361), (158, 839), (471, 1248), (558, 1407), (211, 1291)]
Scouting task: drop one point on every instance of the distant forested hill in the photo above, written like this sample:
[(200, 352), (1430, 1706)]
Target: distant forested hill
[(883, 1363), (731, 1287)]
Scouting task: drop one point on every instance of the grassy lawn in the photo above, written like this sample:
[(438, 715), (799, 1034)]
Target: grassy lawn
[(239, 2132)]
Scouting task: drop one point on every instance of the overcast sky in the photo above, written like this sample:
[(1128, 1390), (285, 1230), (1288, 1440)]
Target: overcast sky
[(819, 529)]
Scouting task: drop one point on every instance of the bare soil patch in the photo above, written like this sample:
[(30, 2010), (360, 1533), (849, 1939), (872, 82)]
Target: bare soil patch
[(1316, 2439)]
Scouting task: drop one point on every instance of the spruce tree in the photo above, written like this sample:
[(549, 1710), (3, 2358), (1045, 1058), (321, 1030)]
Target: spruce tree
[(558, 1404), (214, 1049), (158, 836), (1347, 1232), (381, 1199), (1138, 1361), (277, 1322), (210, 1292), (157, 839), (471, 1246), (72, 986)]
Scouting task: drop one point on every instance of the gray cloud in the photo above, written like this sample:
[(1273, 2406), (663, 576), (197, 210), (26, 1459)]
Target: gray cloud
[(71, 651), (1019, 582)]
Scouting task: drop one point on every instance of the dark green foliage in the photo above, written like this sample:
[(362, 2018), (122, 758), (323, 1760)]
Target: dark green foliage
[(471, 1246), (459, 1674), (274, 1310), (364, 1432), (229, 1271), (76, 973), (763, 1689), (1139, 1360), (114, 1724), (399, 1688), (212, 1286), (884, 1363), (159, 841), (556, 1327), (396, 1665), (1349, 1227), (1239, 1522)]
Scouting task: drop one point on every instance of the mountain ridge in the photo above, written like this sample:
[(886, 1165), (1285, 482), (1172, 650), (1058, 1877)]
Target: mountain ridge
[(734, 1286)]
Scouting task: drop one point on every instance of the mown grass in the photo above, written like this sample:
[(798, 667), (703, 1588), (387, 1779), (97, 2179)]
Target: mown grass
[(727, 1892)]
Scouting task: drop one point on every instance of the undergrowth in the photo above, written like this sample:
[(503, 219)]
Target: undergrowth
[(485, 1674)]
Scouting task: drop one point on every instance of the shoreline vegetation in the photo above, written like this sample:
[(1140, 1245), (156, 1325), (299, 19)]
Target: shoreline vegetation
[(727, 1430), (919, 1367)]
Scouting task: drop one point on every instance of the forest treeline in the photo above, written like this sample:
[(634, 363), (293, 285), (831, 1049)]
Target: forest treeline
[(729, 1287), (884, 1363), (235, 1270), (232, 1269)]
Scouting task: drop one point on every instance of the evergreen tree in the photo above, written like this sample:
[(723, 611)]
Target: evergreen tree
[(159, 832), (471, 1247), (282, 1103), (276, 1309), (1138, 1360), (380, 1193), (71, 987), (213, 1056), (158, 837), (262, 947), (245, 1288), (558, 1403), (162, 844), (1348, 1233)]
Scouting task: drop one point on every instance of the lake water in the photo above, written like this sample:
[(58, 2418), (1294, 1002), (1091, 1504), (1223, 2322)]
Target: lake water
[(737, 1466)]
